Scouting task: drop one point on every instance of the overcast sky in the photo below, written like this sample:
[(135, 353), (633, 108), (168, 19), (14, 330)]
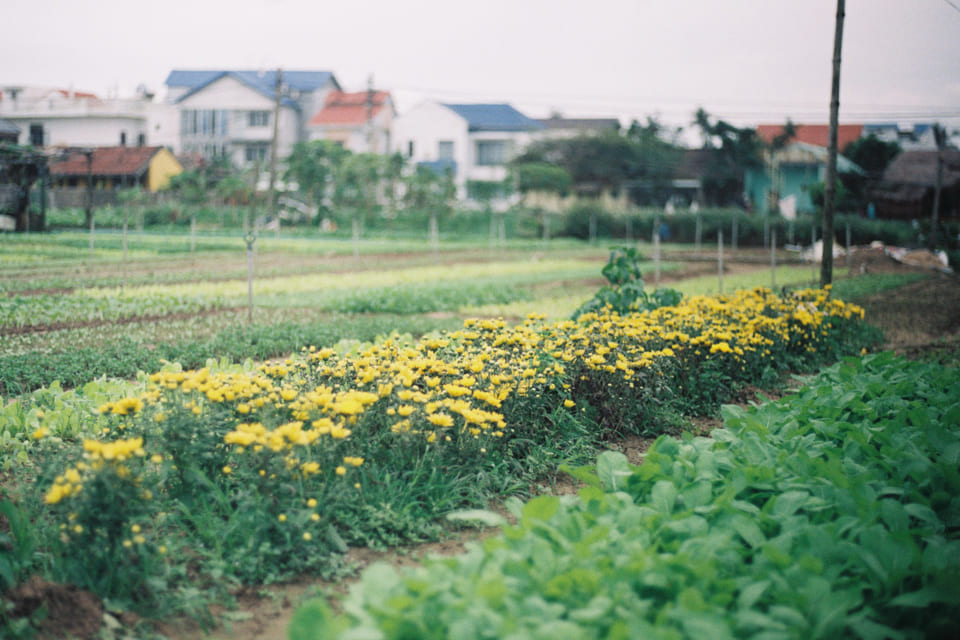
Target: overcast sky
[(748, 61)]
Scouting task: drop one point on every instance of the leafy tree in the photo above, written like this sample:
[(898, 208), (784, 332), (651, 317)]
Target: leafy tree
[(737, 149), (541, 176), (871, 154), (432, 192), (356, 189), (655, 161), (314, 167), (594, 163)]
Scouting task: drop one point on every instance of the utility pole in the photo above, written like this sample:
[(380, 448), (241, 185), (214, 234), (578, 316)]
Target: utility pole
[(370, 96), (940, 135), (829, 191), (89, 195), (273, 151)]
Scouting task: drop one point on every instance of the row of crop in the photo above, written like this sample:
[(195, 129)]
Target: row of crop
[(831, 513), (253, 475), (52, 309), (401, 291), (126, 352)]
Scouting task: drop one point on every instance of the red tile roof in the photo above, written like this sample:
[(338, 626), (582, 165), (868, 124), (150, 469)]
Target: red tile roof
[(348, 108), (818, 134), (107, 161)]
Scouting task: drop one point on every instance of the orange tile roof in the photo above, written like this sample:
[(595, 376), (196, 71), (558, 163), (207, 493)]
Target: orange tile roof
[(817, 134), (348, 108), (107, 161)]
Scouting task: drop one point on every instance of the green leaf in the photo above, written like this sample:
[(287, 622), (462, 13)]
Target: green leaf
[(663, 496), (748, 530), (483, 516), (752, 593), (613, 469), (314, 620), (789, 502), (922, 598), (585, 474), (924, 514), (541, 508)]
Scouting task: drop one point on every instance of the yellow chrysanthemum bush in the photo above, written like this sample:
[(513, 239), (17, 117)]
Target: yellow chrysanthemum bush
[(106, 507), (274, 470)]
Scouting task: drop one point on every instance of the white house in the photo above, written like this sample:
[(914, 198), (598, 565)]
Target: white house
[(360, 122), (475, 141), (230, 113), (50, 117)]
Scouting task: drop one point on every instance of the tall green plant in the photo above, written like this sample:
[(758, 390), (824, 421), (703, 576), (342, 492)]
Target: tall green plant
[(625, 293)]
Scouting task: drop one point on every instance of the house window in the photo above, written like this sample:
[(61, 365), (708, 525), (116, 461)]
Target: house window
[(409, 148), (36, 135), (445, 150), (258, 118), (256, 153), (207, 123), (141, 140), (493, 153), (123, 138)]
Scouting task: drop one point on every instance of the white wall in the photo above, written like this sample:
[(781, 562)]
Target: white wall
[(426, 125), (238, 99), (82, 131), (75, 122)]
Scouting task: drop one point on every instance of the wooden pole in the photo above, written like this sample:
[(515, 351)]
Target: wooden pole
[(273, 151), (697, 233), (720, 261), (656, 252), (940, 135), (830, 186), (773, 259)]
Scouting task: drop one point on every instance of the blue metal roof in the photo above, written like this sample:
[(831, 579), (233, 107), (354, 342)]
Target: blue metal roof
[(264, 82), (494, 117)]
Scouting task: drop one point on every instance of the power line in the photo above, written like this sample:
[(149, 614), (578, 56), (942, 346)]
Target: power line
[(955, 7)]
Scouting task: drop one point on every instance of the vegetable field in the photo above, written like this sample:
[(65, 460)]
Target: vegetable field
[(167, 446)]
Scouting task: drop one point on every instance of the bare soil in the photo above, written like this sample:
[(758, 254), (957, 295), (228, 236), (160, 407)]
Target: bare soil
[(920, 318)]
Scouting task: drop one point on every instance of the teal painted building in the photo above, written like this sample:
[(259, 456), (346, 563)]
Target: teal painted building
[(793, 170)]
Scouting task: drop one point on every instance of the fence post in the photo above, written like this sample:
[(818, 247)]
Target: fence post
[(698, 232), (848, 244), (656, 252), (720, 260), (773, 259), (250, 239)]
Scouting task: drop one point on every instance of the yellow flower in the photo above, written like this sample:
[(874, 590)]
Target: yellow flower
[(40, 433), (127, 544), (312, 502), (353, 460), (162, 549), (282, 517), (227, 470), (306, 536), (341, 471), (441, 420), (135, 528), (138, 539), (569, 404), (315, 517)]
